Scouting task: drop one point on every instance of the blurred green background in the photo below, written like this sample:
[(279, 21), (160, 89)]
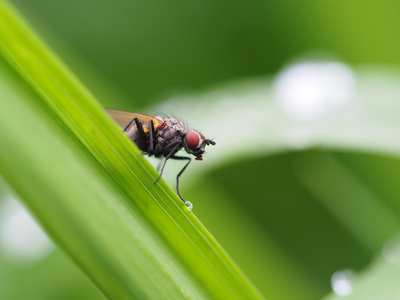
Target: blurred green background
[(292, 198)]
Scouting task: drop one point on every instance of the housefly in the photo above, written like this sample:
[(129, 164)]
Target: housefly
[(160, 137)]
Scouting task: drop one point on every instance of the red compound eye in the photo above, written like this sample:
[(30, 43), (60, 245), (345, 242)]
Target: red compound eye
[(192, 139)]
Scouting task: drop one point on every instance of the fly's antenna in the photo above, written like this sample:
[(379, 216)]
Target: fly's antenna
[(209, 142)]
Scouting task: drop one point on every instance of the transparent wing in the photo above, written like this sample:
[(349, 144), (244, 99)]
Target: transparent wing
[(124, 117)]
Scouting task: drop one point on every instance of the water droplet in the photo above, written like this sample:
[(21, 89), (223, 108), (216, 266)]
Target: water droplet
[(189, 205), (342, 282), (391, 250)]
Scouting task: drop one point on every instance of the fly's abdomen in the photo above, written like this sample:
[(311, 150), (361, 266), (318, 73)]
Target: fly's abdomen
[(133, 134)]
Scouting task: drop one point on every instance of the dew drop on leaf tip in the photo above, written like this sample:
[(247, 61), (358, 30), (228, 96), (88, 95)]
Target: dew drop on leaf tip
[(189, 205)]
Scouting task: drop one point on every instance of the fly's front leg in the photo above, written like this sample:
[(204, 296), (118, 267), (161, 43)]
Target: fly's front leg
[(174, 146), (180, 173)]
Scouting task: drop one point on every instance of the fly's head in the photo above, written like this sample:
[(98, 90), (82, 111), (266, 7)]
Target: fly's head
[(195, 143)]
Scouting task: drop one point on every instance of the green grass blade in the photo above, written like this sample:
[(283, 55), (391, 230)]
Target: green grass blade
[(92, 191)]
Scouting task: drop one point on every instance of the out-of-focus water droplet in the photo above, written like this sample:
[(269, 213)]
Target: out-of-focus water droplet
[(342, 282), (312, 90), (391, 250), (189, 205), (20, 236)]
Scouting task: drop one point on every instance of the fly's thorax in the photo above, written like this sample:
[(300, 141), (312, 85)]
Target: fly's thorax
[(172, 132), (176, 124)]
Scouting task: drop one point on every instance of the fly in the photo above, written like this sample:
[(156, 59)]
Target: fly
[(160, 137)]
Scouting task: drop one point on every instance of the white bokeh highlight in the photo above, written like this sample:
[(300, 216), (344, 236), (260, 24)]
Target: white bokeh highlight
[(342, 282), (21, 238), (310, 91)]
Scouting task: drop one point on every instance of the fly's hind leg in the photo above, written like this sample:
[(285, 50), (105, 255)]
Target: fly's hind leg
[(142, 135), (152, 135)]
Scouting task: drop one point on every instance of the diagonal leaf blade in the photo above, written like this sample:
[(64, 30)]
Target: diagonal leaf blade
[(92, 191)]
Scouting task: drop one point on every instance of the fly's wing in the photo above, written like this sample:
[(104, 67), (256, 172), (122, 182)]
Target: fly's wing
[(124, 117)]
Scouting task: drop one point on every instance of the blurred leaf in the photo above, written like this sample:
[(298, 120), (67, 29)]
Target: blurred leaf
[(378, 281), (149, 49), (294, 233), (53, 278), (311, 212)]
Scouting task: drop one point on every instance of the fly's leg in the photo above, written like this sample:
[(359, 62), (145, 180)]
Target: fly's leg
[(174, 146), (152, 136), (130, 123), (180, 173), (160, 163), (139, 127)]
